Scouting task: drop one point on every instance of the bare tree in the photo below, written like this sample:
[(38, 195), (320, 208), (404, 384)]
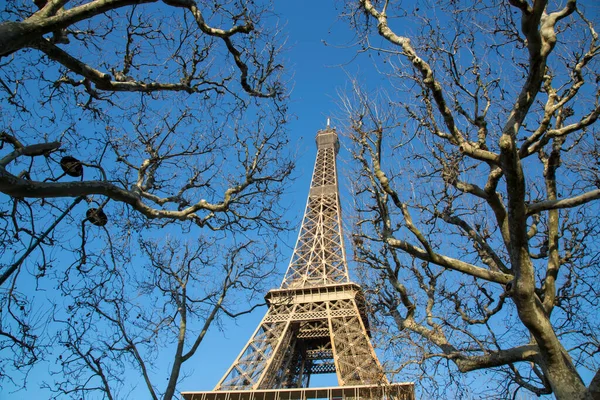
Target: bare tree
[(183, 288), (478, 189), (120, 118), (175, 35)]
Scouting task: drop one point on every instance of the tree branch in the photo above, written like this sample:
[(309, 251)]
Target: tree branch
[(450, 263), (570, 202)]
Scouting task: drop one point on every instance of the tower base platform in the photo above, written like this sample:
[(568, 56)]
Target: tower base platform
[(394, 391)]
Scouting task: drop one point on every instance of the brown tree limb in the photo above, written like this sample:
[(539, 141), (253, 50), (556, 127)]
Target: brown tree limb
[(570, 202), (465, 362), (17, 187), (487, 254), (449, 262), (18, 35)]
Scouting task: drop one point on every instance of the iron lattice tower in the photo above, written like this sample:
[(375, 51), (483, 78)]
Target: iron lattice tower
[(316, 321)]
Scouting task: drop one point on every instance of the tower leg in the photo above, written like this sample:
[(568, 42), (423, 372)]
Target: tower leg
[(251, 368), (355, 358)]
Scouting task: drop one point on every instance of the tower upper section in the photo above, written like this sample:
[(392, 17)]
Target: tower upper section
[(319, 257)]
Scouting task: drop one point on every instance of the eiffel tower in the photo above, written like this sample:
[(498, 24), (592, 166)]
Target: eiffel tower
[(316, 321)]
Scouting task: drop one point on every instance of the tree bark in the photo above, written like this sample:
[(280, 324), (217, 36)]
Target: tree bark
[(16, 35)]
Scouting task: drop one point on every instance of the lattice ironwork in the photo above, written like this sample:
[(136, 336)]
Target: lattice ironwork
[(319, 257), (315, 323)]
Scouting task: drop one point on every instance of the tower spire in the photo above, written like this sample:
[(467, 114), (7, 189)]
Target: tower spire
[(319, 257)]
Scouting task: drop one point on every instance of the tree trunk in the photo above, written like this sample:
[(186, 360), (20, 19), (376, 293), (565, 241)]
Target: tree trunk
[(558, 368)]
